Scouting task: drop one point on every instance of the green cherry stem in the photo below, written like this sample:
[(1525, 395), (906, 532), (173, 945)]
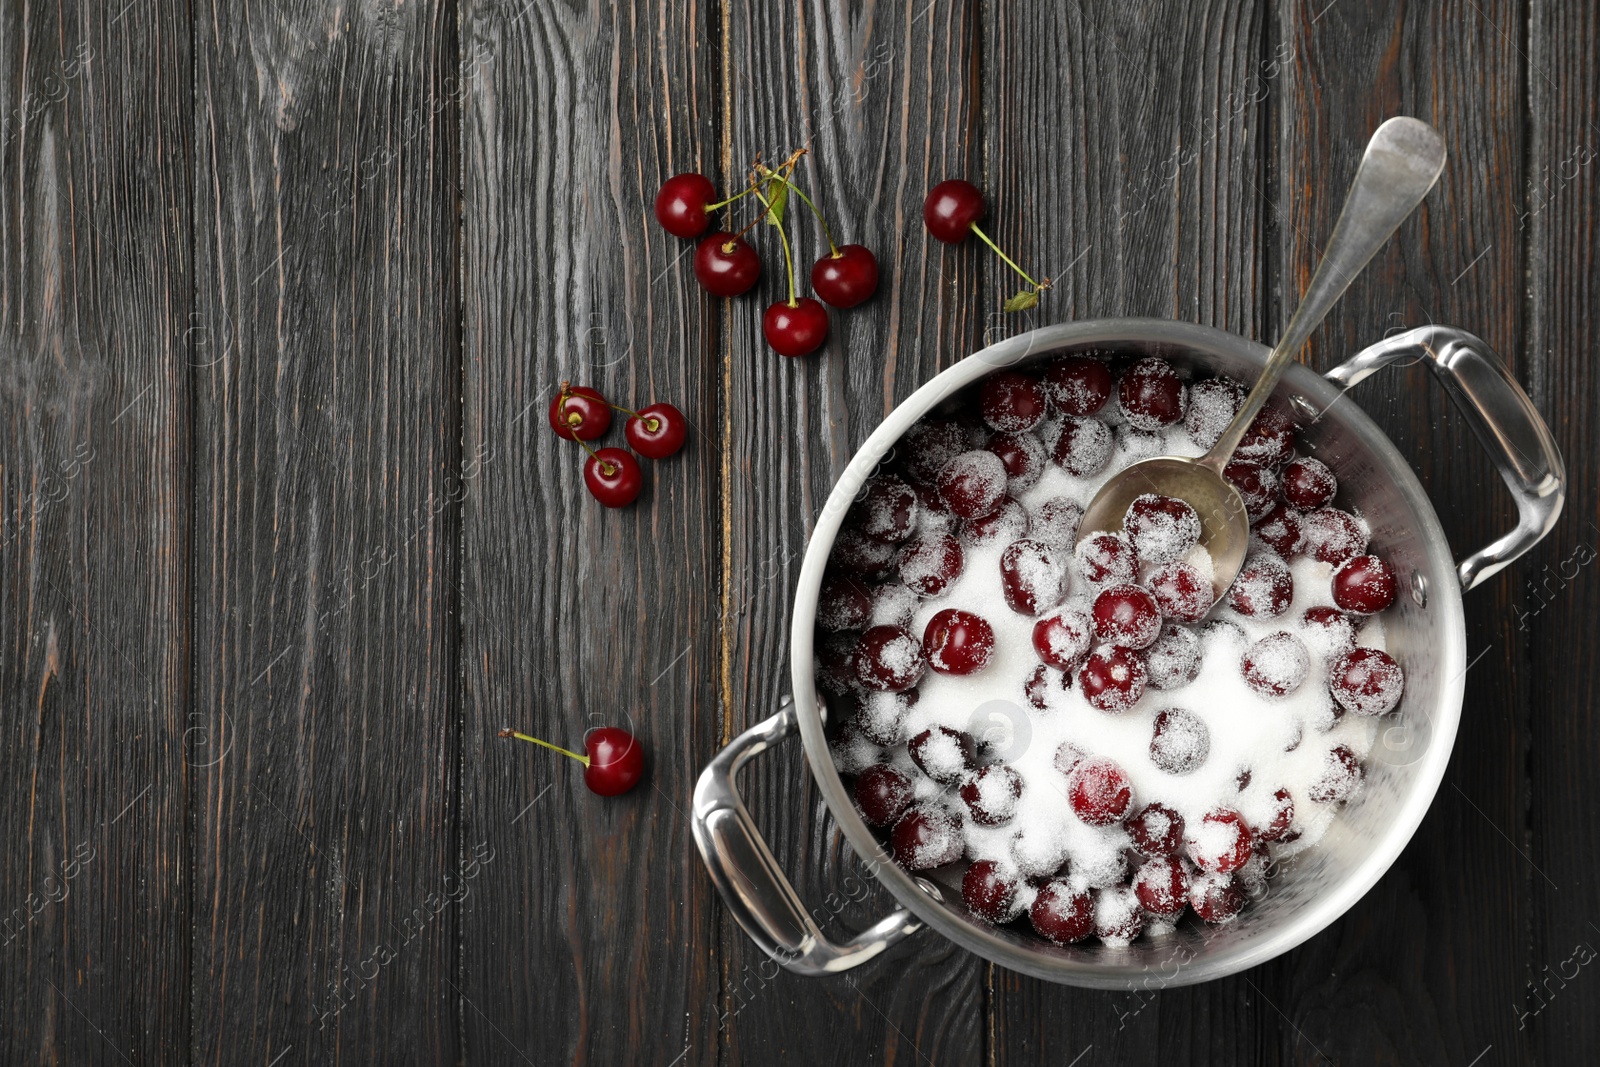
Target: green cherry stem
[(651, 422), (827, 232), (508, 732), (788, 260), (609, 468), (1037, 286), (719, 205)]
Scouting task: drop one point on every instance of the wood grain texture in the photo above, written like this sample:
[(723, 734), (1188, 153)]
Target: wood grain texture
[(885, 97), (327, 487), (94, 460), (1418, 971), (591, 938), (1550, 1003), (1126, 148)]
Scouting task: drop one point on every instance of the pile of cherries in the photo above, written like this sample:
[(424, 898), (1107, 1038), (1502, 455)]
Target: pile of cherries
[(726, 265), (954, 485), (579, 413)]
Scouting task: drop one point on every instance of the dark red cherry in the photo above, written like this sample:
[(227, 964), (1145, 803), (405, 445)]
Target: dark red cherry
[(1212, 405), (1126, 615), (681, 204), (1281, 529), (795, 328), (1024, 457), (1258, 486), (1006, 523), (844, 603), (613, 477), (1263, 589), (1032, 578), (1366, 681), (926, 837), (989, 893), (1328, 630), (1281, 826), (883, 794), (1078, 385), (1332, 536), (579, 413), (1162, 886), (1364, 585), (857, 553), (1221, 843), (1180, 741), (1181, 592), (725, 265), (1277, 664), (889, 660), (951, 208), (1162, 528), (973, 484), (616, 761), (1106, 559), (1308, 484), (1063, 637), (845, 277), (657, 431), (886, 510), (991, 793), (1055, 522), (1340, 776), (1270, 439), (1084, 447), (1112, 679), (1174, 659), (958, 642), (1099, 792), (929, 445), (1011, 402), (943, 754), (1155, 830), (1151, 394), (1216, 898), (928, 564), (1061, 913)]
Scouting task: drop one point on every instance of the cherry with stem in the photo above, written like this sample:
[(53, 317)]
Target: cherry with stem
[(848, 274), (952, 211), (799, 325), (614, 763)]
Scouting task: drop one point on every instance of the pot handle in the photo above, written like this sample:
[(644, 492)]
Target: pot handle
[(744, 871), (1505, 420)]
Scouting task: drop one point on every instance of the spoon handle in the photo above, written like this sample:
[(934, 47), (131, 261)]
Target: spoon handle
[(1401, 163)]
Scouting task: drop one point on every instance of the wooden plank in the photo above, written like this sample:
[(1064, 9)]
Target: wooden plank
[(1126, 148), (1551, 999), (94, 300), (886, 99), (328, 480), (1423, 968), (592, 938)]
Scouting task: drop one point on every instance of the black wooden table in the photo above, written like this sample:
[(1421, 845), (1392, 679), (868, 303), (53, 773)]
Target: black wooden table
[(285, 289)]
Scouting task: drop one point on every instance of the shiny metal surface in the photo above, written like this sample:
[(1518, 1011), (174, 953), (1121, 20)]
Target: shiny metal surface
[(1425, 633), (1401, 163)]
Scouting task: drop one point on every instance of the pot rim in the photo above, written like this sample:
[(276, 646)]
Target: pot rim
[(1112, 973)]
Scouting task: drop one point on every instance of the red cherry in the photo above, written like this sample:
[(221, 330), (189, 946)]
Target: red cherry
[(1162, 886), (1277, 664), (1106, 559), (725, 265), (881, 717), (1308, 484), (1332, 536), (943, 754), (1006, 523), (681, 204), (1221, 843), (886, 510), (958, 642), (930, 445), (1174, 659), (1011, 402), (579, 413), (973, 484), (657, 431), (1270, 439), (1281, 529), (1031, 577), (1366, 681), (1281, 826), (1062, 638), (1364, 585), (846, 277), (844, 603), (1039, 684), (1258, 486), (795, 328), (1099, 792), (1078, 385), (1084, 447), (928, 564), (1061, 913), (1263, 589), (889, 660), (1156, 830), (1126, 615), (1212, 405), (990, 894), (991, 793), (1328, 630), (1117, 918), (1151, 394), (1216, 898), (616, 761), (1024, 457), (857, 553), (1179, 741), (951, 209), (883, 794), (1112, 679), (926, 837), (1162, 528), (1340, 776), (1181, 592), (613, 477), (1055, 522)]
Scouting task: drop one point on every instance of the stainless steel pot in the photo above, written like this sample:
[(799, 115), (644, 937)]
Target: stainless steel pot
[(1424, 631)]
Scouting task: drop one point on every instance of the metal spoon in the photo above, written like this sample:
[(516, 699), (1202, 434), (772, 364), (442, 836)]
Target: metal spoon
[(1401, 163)]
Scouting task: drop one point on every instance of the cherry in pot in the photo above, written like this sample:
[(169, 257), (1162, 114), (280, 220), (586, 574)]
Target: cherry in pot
[(613, 477), (614, 763), (683, 203), (846, 276), (795, 327), (726, 265)]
